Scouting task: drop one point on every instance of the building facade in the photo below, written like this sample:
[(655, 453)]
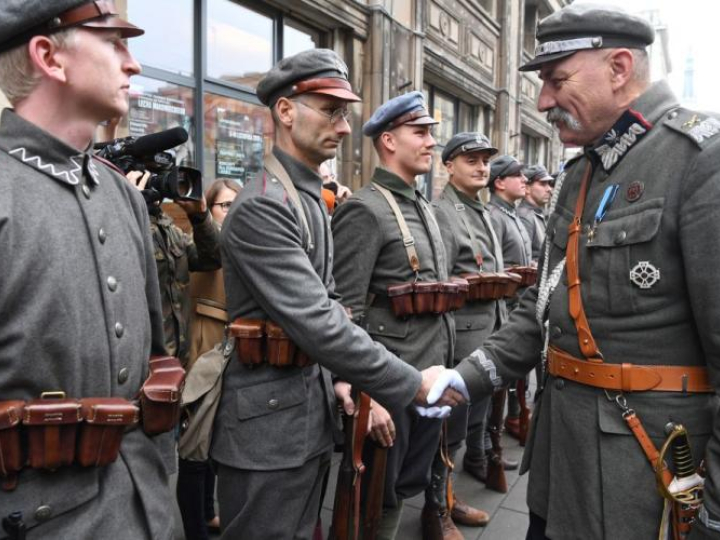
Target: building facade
[(202, 60)]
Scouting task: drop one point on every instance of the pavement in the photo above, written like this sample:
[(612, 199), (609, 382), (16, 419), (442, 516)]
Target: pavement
[(508, 511)]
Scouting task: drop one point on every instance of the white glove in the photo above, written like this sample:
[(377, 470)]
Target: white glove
[(434, 412), (448, 378)]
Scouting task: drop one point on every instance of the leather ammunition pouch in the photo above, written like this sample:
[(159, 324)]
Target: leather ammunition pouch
[(160, 395), (264, 342), (54, 431), (105, 421), (527, 273), (487, 286), (51, 424), (423, 297), (12, 455)]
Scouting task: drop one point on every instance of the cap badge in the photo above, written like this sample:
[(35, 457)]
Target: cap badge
[(644, 275)]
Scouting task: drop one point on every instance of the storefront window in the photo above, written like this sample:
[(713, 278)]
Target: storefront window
[(444, 111), (239, 43), (168, 40), (237, 135), (156, 106), (298, 38)]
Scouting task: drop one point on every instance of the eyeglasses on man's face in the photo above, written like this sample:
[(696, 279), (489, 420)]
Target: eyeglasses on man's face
[(334, 116), (224, 206)]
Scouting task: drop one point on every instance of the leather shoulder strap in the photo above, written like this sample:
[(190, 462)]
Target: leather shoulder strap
[(275, 168), (586, 341), (407, 238), (461, 210)]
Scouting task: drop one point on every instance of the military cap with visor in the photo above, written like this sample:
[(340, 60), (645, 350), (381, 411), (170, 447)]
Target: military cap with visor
[(317, 71), (21, 20), (505, 166), (537, 173), (580, 27), (466, 142), (405, 110)]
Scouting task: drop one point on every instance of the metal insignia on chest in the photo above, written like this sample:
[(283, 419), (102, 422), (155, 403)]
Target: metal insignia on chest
[(644, 275), (634, 191)]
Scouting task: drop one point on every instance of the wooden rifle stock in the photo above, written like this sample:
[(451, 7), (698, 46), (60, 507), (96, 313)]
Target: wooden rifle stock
[(375, 493), (495, 471), (346, 510)]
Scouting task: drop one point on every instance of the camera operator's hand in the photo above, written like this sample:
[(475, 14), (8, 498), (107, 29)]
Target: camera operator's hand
[(193, 207), (138, 179)]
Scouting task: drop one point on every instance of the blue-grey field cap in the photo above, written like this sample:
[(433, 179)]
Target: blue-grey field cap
[(21, 20), (463, 143), (317, 71), (505, 166), (579, 27), (537, 173), (408, 109)]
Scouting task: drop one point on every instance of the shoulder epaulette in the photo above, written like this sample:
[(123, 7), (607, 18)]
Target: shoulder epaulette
[(698, 127)]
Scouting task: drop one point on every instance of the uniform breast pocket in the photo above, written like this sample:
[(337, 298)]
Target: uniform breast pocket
[(626, 262), (387, 329), (178, 251)]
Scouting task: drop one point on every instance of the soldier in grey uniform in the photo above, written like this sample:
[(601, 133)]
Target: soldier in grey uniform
[(531, 209), (274, 428), (507, 187), (370, 256), (642, 295), (471, 246), (79, 293)]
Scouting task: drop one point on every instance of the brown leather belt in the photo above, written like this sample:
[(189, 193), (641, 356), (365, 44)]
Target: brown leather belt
[(628, 377)]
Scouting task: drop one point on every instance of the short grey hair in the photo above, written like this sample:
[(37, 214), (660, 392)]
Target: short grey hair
[(642, 66), (18, 77)]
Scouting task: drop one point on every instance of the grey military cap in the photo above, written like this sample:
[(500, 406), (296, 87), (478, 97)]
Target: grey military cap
[(21, 20), (537, 173), (504, 166), (407, 109), (317, 71), (588, 26), (465, 142)]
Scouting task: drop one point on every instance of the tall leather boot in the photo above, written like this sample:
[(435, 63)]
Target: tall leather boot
[(435, 518)]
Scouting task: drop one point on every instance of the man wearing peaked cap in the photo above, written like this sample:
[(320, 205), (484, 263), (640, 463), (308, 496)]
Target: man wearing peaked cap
[(273, 432), (531, 209), (471, 247), (625, 312), (81, 307), (388, 245)]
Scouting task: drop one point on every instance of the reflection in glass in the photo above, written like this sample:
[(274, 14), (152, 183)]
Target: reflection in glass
[(168, 40), (236, 136), (240, 43), (156, 106), (298, 38)]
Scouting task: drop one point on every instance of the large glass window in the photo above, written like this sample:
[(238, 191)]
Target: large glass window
[(156, 106), (168, 40), (298, 38), (239, 43), (237, 135)]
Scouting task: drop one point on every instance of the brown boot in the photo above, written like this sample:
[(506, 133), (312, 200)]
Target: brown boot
[(476, 467), (437, 525), (512, 427), (464, 514)]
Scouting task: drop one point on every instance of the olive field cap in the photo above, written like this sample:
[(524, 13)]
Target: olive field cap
[(537, 173), (21, 20), (408, 109), (317, 71), (505, 166), (588, 26), (463, 143)]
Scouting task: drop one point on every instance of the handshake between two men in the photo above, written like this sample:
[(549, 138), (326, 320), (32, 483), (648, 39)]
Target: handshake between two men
[(441, 389)]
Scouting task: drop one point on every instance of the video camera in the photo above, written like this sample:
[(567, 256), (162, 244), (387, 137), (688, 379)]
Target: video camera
[(149, 153)]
